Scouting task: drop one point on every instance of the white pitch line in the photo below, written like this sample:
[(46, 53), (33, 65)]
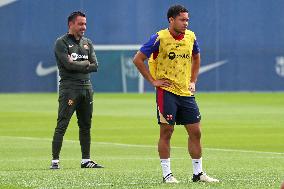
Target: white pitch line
[(146, 146), (244, 151), (176, 147), (133, 145)]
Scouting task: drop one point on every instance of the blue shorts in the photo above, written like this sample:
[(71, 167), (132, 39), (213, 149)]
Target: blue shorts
[(174, 109)]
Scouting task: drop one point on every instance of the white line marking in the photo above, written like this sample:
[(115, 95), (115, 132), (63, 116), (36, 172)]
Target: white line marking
[(144, 146), (243, 151)]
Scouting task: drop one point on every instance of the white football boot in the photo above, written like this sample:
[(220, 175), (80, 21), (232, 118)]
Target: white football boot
[(202, 177), (170, 179)]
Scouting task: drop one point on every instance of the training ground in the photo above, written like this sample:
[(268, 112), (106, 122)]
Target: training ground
[(242, 136)]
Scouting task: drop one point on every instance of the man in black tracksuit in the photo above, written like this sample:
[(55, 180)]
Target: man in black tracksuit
[(76, 59)]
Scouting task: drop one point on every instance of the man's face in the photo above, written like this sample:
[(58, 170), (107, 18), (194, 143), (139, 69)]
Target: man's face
[(180, 22), (78, 26)]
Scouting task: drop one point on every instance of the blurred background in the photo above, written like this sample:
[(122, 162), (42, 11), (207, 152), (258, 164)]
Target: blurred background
[(241, 42)]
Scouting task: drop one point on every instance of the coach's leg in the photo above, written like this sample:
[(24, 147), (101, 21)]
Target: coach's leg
[(84, 114), (67, 105)]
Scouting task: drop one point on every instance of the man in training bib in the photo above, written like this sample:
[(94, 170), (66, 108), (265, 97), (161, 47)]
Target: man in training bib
[(174, 61)]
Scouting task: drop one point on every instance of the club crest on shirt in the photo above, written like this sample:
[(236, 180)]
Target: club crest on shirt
[(70, 102), (169, 117)]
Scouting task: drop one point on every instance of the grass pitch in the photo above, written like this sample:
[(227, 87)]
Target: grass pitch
[(243, 142)]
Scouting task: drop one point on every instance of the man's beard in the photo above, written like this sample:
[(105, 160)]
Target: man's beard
[(178, 31), (81, 33)]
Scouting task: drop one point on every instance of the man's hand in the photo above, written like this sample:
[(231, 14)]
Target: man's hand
[(192, 87), (69, 59), (161, 83)]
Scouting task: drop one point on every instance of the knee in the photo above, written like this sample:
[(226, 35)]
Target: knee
[(166, 134), (85, 129), (61, 128), (62, 123), (196, 135), (84, 125)]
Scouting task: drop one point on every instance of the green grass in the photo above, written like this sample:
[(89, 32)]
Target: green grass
[(243, 140)]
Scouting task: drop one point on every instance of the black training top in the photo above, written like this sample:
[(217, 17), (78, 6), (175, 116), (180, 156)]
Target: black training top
[(76, 59)]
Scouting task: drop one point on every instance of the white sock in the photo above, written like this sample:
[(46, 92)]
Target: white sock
[(55, 161), (197, 166), (166, 166), (85, 160)]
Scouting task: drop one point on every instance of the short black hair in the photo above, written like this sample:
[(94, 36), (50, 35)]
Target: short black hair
[(74, 15), (175, 10)]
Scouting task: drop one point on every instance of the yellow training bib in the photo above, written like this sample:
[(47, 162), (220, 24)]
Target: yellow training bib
[(174, 61)]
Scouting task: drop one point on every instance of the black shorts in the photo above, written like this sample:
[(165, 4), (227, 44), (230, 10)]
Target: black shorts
[(174, 109)]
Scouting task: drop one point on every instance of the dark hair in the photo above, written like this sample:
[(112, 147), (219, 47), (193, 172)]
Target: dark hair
[(74, 15), (175, 10)]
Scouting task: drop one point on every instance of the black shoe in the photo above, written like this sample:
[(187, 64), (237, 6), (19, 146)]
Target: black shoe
[(55, 165), (91, 164), (196, 178), (202, 177)]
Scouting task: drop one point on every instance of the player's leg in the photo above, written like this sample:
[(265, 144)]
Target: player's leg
[(194, 146), (194, 140), (67, 104), (195, 151), (189, 116), (166, 118), (166, 132), (84, 114)]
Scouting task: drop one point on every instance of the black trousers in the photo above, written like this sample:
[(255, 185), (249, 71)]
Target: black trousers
[(71, 100)]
